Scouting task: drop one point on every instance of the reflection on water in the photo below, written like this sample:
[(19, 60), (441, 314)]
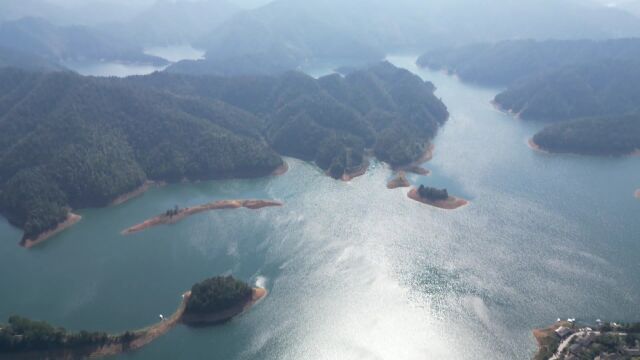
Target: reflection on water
[(356, 271), (107, 69)]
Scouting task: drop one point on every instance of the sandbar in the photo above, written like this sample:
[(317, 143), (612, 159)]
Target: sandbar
[(71, 220), (183, 213), (400, 181), (451, 203)]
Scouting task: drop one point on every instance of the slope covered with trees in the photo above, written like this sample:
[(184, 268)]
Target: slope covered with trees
[(60, 44), (68, 141), (591, 84), (71, 141)]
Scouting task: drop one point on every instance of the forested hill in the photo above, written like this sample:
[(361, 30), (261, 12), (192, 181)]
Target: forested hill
[(72, 141), (58, 44), (333, 119), (594, 89), (503, 63), (22, 60), (561, 81)]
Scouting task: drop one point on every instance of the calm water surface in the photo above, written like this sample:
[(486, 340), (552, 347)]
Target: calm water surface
[(356, 271), (172, 53)]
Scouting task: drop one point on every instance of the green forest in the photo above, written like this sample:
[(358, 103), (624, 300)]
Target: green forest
[(21, 334), (69, 142), (590, 89), (217, 294)]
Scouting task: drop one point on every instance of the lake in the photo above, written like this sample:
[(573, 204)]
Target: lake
[(356, 271), (172, 53)]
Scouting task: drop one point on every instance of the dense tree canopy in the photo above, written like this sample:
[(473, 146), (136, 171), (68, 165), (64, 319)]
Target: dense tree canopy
[(68, 141), (591, 85), (22, 334), (217, 294)]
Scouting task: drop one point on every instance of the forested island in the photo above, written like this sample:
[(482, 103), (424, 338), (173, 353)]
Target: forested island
[(588, 89), (436, 197), (218, 300), (70, 142), (177, 214), (567, 340), (211, 302)]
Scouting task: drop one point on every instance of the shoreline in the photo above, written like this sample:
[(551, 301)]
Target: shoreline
[(281, 170), (146, 186), (506, 111), (637, 194), (546, 338), (164, 219), (415, 167), (400, 181), (364, 167), (535, 147), (142, 337), (451, 203), (71, 220)]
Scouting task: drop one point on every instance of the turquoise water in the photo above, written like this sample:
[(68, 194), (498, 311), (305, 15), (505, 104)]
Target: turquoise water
[(356, 271)]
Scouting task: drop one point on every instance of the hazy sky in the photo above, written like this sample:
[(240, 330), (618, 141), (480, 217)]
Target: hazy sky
[(138, 3)]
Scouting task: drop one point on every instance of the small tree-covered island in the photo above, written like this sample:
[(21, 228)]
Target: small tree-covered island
[(210, 302), (436, 197), (218, 300)]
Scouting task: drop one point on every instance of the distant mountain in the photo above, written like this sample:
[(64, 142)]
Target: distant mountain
[(75, 43), (293, 32), (169, 22), (590, 88), (598, 88), (72, 141), (21, 60), (603, 136), (66, 12), (505, 62)]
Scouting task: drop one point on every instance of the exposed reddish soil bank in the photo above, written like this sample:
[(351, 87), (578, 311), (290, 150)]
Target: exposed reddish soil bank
[(70, 221), (533, 146), (224, 316), (183, 213), (637, 194), (135, 193), (400, 181), (416, 166), (500, 108), (281, 170), (451, 203), (348, 176)]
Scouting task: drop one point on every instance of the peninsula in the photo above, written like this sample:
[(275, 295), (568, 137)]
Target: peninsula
[(436, 197), (566, 340), (175, 215), (70, 220), (399, 181), (416, 165), (210, 302)]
